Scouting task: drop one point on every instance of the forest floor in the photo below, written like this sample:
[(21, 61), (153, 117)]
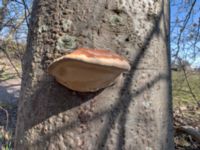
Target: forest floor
[(10, 84), (186, 106), (186, 100)]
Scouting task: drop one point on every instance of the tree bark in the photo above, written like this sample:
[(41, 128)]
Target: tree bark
[(133, 114)]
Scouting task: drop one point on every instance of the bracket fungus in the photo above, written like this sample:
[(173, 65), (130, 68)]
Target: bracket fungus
[(88, 70)]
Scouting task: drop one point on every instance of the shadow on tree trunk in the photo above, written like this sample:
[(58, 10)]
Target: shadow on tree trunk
[(72, 99)]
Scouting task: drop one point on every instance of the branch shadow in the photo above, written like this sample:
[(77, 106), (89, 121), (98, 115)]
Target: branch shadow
[(124, 101), (44, 107), (73, 124), (73, 99)]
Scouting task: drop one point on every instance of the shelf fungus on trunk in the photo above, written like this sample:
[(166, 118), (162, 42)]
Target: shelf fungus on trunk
[(88, 70)]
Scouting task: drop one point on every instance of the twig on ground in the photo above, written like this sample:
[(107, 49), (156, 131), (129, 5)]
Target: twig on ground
[(7, 116), (190, 131)]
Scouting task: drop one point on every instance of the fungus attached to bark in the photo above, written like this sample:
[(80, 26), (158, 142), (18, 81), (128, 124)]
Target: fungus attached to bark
[(88, 70)]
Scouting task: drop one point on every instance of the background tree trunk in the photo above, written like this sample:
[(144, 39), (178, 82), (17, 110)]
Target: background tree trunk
[(133, 114)]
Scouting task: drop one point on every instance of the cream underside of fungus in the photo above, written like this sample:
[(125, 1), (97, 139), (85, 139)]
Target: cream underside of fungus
[(88, 70)]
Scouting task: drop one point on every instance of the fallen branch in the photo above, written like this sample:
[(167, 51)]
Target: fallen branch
[(190, 131)]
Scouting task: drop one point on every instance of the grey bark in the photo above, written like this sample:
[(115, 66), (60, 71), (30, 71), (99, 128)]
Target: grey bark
[(133, 114)]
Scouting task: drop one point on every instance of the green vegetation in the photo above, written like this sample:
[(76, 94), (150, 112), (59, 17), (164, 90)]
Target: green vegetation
[(181, 92), (6, 76), (6, 139), (6, 129)]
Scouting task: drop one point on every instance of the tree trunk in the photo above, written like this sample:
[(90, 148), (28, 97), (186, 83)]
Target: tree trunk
[(133, 114)]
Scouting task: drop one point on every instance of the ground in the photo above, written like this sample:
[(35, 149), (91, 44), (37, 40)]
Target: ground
[(186, 106), (9, 94)]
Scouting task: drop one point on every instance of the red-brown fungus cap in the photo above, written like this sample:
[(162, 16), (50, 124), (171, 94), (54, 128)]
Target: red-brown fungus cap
[(88, 70)]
